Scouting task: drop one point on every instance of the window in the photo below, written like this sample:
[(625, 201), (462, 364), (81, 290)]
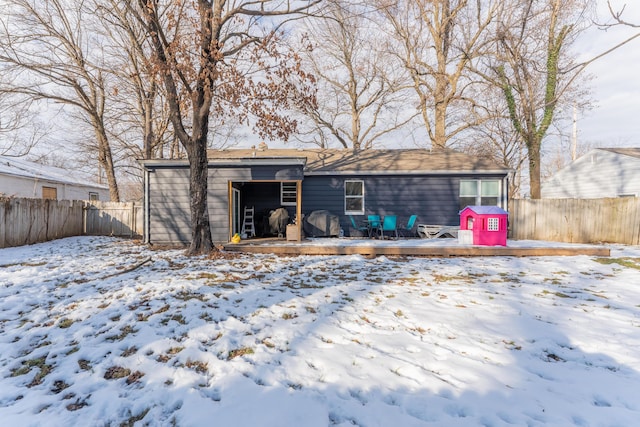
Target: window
[(94, 196), (288, 193), (493, 224), (50, 193), (479, 192), (354, 197)]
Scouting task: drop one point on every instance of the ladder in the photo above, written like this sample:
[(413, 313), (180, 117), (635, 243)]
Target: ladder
[(248, 227)]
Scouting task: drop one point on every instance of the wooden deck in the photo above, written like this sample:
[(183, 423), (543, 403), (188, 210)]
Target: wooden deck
[(280, 247)]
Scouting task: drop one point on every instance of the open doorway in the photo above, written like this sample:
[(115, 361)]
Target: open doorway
[(274, 205)]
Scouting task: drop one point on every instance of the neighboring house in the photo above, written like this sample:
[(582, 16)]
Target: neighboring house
[(21, 178), (602, 172), (433, 185)]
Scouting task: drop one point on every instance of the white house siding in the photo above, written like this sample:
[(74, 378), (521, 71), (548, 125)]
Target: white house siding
[(15, 186), (599, 173)]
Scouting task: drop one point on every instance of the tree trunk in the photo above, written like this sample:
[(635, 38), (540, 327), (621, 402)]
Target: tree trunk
[(201, 242), (535, 170), (439, 141), (105, 159)]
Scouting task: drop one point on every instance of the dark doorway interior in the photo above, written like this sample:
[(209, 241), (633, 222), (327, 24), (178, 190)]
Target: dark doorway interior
[(265, 198)]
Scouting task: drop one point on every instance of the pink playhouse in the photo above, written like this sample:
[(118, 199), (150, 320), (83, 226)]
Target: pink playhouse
[(488, 224)]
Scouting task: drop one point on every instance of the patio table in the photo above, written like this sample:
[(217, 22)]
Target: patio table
[(431, 231)]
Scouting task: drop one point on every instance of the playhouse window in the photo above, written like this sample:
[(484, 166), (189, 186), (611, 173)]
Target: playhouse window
[(354, 197), (493, 224), (288, 193), (479, 192)]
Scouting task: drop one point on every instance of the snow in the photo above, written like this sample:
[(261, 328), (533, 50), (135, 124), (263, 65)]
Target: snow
[(261, 340)]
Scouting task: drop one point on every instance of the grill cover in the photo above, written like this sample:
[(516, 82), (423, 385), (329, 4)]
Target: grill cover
[(278, 219), (321, 224)]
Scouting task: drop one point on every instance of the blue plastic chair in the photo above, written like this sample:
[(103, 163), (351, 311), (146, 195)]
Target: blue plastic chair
[(389, 223), (408, 229), (373, 224), (359, 228)]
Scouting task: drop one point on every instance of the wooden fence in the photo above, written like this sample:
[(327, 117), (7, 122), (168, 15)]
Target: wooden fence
[(122, 219), (28, 221), (576, 220)]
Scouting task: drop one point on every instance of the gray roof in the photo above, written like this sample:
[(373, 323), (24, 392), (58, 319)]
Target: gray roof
[(633, 152), (328, 161), (19, 167)]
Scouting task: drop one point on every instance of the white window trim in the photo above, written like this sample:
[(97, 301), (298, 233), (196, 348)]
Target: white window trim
[(478, 193), (348, 212), (290, 192), (493, 224)]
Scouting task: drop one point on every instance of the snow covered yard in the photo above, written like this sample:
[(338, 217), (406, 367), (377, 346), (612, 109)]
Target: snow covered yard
[(315, 341)]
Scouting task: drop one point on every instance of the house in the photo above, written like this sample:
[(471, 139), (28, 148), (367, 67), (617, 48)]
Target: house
[(21, 178), (433, 185), (488, 225), (602, 172)]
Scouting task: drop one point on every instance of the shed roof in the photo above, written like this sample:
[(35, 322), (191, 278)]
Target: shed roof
[(23, 168), (330, 161), (628, 151), (486, 210)]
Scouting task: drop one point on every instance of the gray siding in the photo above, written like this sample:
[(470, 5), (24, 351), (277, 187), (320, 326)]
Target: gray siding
[(169, 210), (169, 215), (435, 199), (597, 174)]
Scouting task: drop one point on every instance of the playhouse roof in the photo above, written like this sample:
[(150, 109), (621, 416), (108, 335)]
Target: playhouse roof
[(486, 210)]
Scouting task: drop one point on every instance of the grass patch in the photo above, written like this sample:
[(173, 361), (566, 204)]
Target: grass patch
[(128, 352), (625, 262), (123, 334), (187, 295), (176, 317), (198, 366), (72, 350), (239, 352), (116, 372), (65, 323), (132, 420), (134, 377), (59, 386), (28, 365)]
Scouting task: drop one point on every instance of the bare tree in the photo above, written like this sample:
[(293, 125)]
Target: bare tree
[(49, 44), (618, 16), (437, 42), (206, 51), (140, 118), (535, 69), (359, 98), (20, 131)]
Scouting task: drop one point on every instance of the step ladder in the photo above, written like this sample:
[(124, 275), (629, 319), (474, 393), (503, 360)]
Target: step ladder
[(248, 226)]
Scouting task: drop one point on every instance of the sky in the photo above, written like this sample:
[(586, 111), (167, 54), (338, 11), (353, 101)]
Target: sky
[(104, 331), (613, 121)]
